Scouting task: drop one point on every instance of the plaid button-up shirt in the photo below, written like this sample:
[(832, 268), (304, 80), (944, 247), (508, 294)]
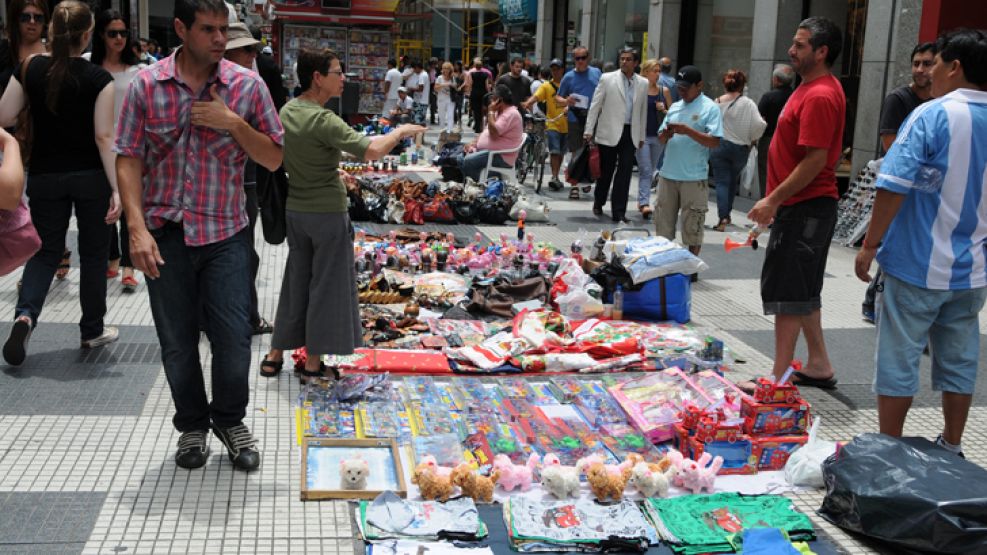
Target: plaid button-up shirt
[(192, 175)]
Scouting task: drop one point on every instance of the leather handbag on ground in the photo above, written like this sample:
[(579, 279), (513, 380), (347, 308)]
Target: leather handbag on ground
[(18, 238), (273, 196), (438, 210), (413, 213), (499, 297)]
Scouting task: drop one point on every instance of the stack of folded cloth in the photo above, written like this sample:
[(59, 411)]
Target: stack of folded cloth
[(694, 524), (576, 525), (390, 517)]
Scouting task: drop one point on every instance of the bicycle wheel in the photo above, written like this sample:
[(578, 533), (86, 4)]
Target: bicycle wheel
[(521, 164), (542, 155)]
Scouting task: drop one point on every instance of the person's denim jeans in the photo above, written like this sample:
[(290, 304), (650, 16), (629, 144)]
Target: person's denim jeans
[(647, 160), (474, 163), (52, 196), (728, 161), (217, 278)]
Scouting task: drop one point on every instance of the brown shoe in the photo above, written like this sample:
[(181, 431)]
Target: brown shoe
[(722, 226)]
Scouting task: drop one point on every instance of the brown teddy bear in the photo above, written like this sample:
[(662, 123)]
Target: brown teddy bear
[(473, 484), (607, 482), (431, 484)]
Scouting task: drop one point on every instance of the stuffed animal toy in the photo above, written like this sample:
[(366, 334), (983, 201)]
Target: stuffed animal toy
[(652, 479), (676, 460), (514, 475), (431, 485), (473, 484), (697, 476), (582, 465), (560, 480), (605, 483), (353, 473), (444, 471)]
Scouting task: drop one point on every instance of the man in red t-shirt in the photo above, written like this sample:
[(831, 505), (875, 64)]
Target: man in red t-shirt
[(801, 201)]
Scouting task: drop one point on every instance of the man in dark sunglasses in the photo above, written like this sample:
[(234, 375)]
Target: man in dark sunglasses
[(576, 91)]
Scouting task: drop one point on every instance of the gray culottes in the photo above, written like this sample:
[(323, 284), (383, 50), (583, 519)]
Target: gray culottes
[(319, 308)]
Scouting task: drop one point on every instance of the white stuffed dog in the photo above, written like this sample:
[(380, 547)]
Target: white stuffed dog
[(353, 473)]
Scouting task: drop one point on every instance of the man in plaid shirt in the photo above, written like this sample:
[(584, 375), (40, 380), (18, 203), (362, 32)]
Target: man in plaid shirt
[(187, 126)]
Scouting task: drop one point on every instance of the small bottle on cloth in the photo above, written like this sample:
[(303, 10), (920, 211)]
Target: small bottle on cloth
[(618, 303)]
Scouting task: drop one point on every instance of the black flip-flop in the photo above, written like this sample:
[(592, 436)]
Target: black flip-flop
[(809, 381), (271, 368)]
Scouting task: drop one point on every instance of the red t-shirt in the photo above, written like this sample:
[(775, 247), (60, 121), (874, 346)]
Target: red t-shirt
[(814, 116)]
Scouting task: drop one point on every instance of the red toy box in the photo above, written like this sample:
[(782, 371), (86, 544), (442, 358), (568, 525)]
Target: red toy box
[(775, 450), (776, 419)]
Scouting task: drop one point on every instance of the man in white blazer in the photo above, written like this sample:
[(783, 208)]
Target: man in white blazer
[(616, 122)]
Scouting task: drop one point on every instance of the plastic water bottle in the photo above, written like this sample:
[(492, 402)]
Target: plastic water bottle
[(618, 303)]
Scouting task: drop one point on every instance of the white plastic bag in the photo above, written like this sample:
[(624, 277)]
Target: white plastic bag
[(536, 211), (804, 466), (578, 304), (749, 179)]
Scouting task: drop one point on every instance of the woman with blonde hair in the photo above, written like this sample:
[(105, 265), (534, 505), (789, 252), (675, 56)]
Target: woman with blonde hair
[(72, 169), (443, 90), (648, 155)]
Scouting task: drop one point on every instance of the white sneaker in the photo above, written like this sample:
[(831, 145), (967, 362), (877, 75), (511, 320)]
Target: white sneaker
[(109, 335)]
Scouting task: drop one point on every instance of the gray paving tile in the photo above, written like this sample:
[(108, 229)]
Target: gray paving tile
[(59, 378), (47, 522)]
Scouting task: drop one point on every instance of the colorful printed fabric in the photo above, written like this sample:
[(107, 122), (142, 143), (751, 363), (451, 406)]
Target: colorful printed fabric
[(582, 521), (703, 523)]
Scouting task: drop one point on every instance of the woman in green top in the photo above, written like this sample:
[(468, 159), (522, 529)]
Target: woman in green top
[(318, 308)]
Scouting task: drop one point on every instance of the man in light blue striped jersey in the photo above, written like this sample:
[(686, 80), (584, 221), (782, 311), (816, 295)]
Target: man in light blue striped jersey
[(932, 202)]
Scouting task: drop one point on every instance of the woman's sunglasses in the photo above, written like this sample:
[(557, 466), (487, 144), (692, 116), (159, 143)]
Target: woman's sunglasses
[(36, 17), (117, 34)]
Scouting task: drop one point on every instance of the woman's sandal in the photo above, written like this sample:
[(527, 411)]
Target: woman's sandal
[(722, 226), (574, 193), (63, 267), (320, 373), (271, 368)]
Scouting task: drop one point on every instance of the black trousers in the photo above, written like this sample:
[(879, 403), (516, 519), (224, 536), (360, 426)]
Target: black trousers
[(616, 163), (120, 243), (252, 212), (476, 106)]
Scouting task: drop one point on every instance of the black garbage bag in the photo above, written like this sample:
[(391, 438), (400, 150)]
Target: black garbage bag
[(907, 492)]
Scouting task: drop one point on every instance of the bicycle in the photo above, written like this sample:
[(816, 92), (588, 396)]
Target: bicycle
[(535, 150)]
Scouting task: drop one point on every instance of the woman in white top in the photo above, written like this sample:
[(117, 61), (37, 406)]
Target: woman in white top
[(742, 127), (443, 93), (113, 49)]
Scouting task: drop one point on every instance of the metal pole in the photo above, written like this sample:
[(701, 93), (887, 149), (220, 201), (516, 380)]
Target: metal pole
[(479, 34), (448, 30)]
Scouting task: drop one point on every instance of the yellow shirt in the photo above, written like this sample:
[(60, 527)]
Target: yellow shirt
[(546, 93)]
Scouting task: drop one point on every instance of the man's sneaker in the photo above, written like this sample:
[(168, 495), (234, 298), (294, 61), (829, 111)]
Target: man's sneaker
[(240, 446), (555, 185), (109, 335), (942, 443), (193, 449), (15, 349)]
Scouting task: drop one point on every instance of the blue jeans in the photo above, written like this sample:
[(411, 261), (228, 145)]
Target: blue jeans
[(474, 163), (647, 162), (52, 196), (727, 161), (215, 278)]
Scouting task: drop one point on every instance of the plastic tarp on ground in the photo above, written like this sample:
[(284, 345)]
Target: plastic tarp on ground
[(909, 493)]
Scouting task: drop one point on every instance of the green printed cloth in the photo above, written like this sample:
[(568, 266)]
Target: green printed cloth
[(695, 524)]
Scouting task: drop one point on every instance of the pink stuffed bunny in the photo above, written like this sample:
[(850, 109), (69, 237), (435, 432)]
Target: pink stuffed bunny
[(696, 476), (515, 475)]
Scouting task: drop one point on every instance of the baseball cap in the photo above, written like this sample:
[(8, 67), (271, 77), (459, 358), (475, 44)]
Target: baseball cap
[(402, 89), (556, 63), (239, 36), (687, 76), (267, 50)]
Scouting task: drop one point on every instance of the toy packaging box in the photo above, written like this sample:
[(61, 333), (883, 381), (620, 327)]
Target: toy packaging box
[(777, 418), (775, 450), (740, 456), (653, 402)]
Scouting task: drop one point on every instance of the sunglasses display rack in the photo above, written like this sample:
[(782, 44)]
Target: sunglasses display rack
[(856, 206)]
